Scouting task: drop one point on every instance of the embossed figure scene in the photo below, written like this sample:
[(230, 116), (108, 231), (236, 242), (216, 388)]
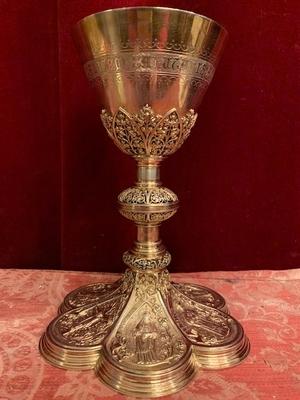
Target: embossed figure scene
[(144, 335), (148, 343)]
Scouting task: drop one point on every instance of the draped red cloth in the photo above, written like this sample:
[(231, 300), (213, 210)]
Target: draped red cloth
[(237, 176)]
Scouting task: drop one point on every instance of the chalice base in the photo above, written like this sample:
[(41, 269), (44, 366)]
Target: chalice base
[(144, 335)]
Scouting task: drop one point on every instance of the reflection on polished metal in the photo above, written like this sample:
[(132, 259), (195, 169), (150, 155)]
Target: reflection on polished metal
[(144, 335)]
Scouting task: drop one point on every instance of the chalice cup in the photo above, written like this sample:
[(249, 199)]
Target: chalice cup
[(145, 335)]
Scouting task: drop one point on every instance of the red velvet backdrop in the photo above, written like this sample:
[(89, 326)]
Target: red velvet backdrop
[(237, 176), (29, 138)]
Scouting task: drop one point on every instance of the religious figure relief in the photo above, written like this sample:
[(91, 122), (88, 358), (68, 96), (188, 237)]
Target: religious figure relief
[(217, 322), (90, 294), (118, 347), (89, 325), (84, 332), (202, 324), (153, 343), (146, 340), (199, 294)]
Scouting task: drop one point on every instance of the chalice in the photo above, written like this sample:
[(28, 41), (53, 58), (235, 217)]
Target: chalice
[(144, 335)]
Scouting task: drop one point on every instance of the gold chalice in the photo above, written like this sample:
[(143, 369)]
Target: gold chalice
[(144, 335)]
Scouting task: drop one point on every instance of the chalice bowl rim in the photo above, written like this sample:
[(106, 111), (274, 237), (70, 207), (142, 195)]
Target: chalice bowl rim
[(138, 8)]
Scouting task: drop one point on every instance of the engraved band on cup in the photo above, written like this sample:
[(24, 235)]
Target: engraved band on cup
[(149, 62)]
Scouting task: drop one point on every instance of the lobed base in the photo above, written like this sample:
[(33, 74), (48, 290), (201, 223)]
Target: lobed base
[(144, 335)]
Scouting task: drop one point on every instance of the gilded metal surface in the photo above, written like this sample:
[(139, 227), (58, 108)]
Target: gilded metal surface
[(149, 61), (74, 338), (143, 204), (148, 196), (144, 335), (92, 293), (147, 134), (154, 216), (136, 261), (202, 295), (149, 55), (146, 324)]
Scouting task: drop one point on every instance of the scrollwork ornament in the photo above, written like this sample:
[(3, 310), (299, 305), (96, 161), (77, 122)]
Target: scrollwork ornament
[(146, 217), (150, 45), (167, 63), (147, 196), (147, 134), (140, 263)]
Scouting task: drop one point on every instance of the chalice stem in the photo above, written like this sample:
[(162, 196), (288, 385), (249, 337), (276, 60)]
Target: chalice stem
[(148, 204)]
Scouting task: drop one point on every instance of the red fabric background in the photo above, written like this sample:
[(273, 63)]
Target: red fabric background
[(237, 176), (29, 138)]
